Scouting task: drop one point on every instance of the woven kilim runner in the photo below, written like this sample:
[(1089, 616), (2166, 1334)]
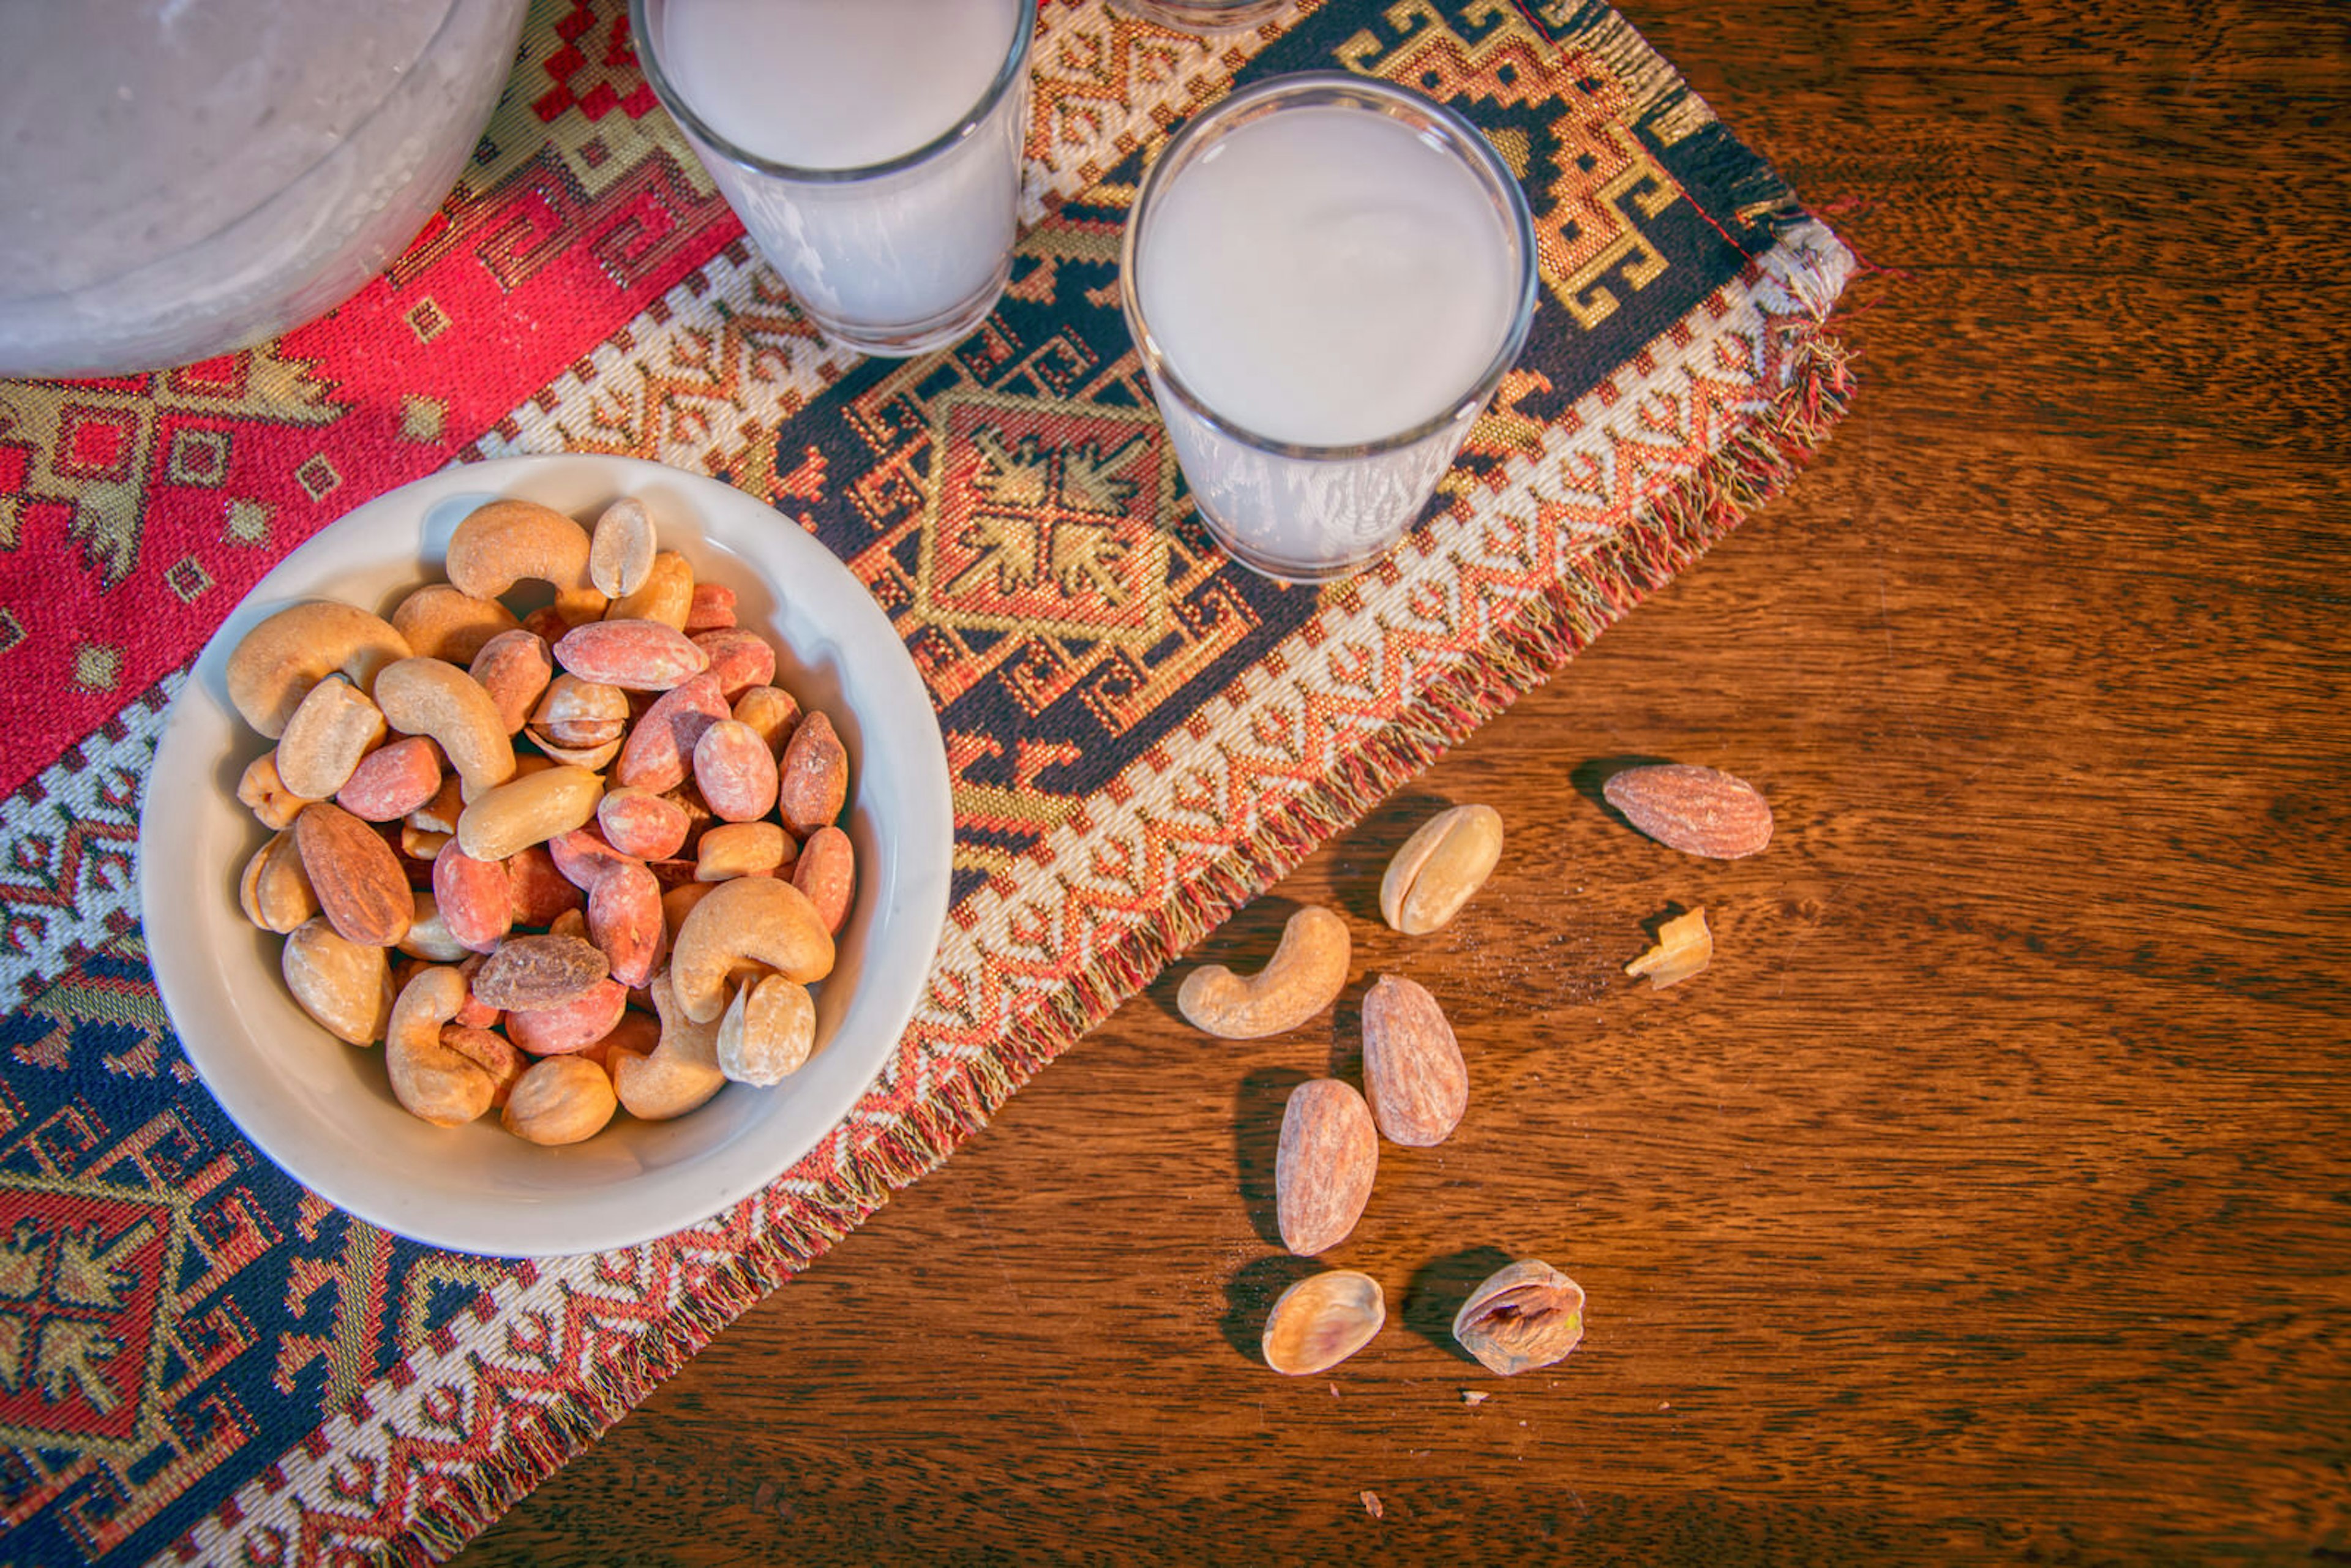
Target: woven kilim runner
[(199, 1360)]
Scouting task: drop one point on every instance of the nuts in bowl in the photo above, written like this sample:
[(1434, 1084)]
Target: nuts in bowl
[(629, 843)]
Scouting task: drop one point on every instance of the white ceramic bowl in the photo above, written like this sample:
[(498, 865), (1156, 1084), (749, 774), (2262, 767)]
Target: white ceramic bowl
[(322, 1109)]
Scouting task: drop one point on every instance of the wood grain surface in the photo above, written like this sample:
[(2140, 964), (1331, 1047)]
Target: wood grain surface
[(1988, 1199)]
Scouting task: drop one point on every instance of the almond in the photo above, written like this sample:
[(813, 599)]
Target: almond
[(1323, 1166), (361, 889), (1412, 1064), (1697, 810)]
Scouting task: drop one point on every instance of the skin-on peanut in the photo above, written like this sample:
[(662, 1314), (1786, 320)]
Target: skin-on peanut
[(274, 668), (815, 780), (433, 697), (740, 660), (754, 920), (827, 873), (660, 747), (713, 609), (393, 780), (634, 655), (682, 1072), (734, 771), (641, 823), (541, 892), (1306, 975), (332, 728), (443, 622), (560, 1100), (573, 1026), (343, 985), (515, 668), (474, 897), (625, 920), (507, 542), (441, 1086)]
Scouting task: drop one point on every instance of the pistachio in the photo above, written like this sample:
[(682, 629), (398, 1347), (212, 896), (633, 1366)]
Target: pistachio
[(1527, 1316)]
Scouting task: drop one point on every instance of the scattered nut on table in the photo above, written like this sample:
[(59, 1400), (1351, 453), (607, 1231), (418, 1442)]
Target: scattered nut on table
[(1305, 975), (1321, 1320), (1525, 1316)]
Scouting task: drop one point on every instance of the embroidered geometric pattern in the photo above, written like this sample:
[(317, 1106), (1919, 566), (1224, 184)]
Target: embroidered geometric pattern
[(201, 1362)]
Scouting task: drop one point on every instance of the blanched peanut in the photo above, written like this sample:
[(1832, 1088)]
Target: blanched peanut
[(531, 811), (734, 771), (740, 660), (641, 823), (514, 668), (474, 897), (392, 780), (572, 1026), (421, 843), (332, 728), (444, 1087), (767, 1032), (274, 668), (275, 892), (343, 985), (620, 551), (773, 712), (443, 622), (827, 873), (754, 919), (740, 849), (815, 777), (263, 790), (624, 919), (659, 749), (667, 595), (431, 697), (560, 1100)]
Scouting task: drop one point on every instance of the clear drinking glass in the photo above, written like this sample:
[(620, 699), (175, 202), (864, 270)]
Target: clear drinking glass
[(1320, 485), (898, 256), (1202, 15)]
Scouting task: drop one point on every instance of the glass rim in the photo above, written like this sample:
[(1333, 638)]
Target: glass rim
[(1015, 67), (1461, 136)]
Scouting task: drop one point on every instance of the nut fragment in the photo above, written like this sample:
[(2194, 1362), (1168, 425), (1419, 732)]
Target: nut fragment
[(529, 973), (1418, 1085), (711, 610), (1446, 859), (620, 551), (262, 790), (332, 728), (1321, 1320), (1684, 947), (1698, 810), (1323, 1166), (1528, 1315), (345, 986), (1305, 975), (767, 1032), (361, 889)]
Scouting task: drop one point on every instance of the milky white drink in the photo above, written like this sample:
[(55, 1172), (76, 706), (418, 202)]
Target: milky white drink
[(799, 108), (1324, 276)]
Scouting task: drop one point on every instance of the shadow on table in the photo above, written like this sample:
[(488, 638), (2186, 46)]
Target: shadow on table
[(1592, 777), (1257, 1105), (1249, 1296), (1440, 1287)]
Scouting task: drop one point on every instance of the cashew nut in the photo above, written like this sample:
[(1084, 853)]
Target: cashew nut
[(444, 1087), (507, 542), (681, 1074), (754, 919), (767, 1032), (435, 697), (489, 1050), (1306, 974), (442, 621), (347, 988), (281, 659), (560, 1100), (331, 728)]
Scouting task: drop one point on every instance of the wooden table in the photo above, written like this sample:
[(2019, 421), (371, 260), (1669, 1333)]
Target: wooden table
[(1988, 1197)]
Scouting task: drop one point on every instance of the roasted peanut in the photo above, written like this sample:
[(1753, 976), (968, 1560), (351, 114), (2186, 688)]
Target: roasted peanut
[(332, 728), (712, 608), (773, 712), (515, 668), (1446, 859), (827, 873), (274, 668), (753, 919), (741, 848), (344, 985), (641, 823), (734, 771), (444, 1087), (531, 811), (570, 1026), (625, 920), (667, 595), (393, 780), (263, 790), (1305, 975), (621, 550), (560, 1100), (275, 892), (740, 660), (767, 1032), (474, 897), (815, 777), (428, 936), (443, 622), (541, 892), (636, 655), (435, 697)]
